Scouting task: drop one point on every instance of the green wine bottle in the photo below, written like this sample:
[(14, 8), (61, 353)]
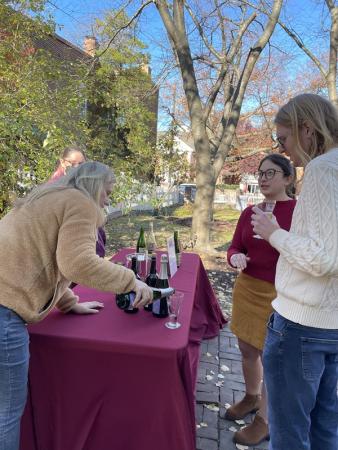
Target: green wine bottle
[(177, 248), (141, 242), (151, 240)]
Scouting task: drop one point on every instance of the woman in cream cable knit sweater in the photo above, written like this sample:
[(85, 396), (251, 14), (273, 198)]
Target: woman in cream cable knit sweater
[(301, 349), (45, 241)]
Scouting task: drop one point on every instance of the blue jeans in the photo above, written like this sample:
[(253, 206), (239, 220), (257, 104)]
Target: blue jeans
[(301, 375), (14, 357)]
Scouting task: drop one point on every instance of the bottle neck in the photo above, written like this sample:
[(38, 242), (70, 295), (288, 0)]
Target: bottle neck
[(177, 246), (134, 265), (153, 266), (160, 293), (164, 271)]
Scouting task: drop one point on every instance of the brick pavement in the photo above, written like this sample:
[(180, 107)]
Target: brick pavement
[(219, 381)]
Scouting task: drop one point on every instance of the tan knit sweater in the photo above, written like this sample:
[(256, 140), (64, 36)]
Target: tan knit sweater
[(45, 244)]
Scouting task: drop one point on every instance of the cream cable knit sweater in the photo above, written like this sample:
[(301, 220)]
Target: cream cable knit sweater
[(307, 269)]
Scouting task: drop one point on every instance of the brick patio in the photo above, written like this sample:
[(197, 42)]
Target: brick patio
[(219, 356)]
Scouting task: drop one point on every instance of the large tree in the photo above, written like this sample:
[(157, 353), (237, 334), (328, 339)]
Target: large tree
[(231, 39), (49, 102), (41, 101), (119, 87)]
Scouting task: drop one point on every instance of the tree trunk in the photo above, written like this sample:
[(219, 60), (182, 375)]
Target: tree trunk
[(210, 161), (205, 182), (332, 72)]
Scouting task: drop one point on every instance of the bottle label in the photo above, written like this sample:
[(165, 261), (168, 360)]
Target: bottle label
[(141, 255), (156, 306)]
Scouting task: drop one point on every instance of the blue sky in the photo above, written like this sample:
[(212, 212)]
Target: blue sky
[(76, 17)]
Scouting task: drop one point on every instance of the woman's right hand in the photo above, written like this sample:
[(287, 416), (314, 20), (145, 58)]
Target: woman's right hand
[(144, 294), (239, 260)]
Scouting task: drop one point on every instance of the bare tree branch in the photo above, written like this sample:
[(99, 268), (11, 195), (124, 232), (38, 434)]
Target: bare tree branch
[(302, 46), (230, 122), (201, 33), (132, 19)]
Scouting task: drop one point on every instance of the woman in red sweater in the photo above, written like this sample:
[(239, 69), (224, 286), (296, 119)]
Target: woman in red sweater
[(254, 291)]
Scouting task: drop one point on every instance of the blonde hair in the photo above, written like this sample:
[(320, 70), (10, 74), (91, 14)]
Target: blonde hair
[(89, 178), (316, 112)]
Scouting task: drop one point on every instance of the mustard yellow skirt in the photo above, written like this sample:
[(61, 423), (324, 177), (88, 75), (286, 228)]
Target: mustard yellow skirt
[(251, 308)]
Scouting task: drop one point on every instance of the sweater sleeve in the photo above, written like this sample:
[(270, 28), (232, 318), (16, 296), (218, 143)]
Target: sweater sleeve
[(312, 243), (67, 301), (76, 256), (237, 244)]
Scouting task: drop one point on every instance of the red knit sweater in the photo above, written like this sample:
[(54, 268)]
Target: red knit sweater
[(263, 257)]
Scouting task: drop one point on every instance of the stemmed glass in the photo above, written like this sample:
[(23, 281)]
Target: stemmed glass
[(174, 305), (267, 207), (143, 265)]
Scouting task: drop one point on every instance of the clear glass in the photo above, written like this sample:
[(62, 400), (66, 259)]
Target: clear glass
[(174, 305), (143, 263), (267, 206)]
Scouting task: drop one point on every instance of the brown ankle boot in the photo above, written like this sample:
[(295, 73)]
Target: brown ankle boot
[(253, 434), (248, 404)]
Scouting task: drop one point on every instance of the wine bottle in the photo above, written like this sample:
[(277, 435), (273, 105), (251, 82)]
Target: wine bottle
[(177, 248), (134, 267), (151, 279), (160, 306), (141, 242), (130, 309), (151, 240), (126, 300)]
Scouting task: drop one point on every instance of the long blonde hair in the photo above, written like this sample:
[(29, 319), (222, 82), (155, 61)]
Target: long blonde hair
[(89, 178), (317, 112)]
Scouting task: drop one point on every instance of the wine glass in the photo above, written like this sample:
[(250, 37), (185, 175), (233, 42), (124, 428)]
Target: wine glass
[(142, 265), (267, 207), (174, 305)]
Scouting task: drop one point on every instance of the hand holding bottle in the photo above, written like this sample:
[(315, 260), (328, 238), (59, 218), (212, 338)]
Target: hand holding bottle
[(144, 294)]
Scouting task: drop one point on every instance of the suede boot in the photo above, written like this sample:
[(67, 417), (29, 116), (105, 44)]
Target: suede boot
[(248, 404), (253, 434)]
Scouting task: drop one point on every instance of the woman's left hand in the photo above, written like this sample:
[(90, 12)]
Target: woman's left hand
[(87, 307), (262, 224)]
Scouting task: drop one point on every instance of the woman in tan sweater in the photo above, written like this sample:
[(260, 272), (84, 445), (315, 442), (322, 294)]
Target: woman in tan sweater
[(48, 239)]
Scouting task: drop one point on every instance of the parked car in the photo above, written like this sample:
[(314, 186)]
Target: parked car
[(187, 192)]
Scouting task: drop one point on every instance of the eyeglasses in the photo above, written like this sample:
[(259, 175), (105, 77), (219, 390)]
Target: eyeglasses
[(281, 141), (269, 174), (74, 163)]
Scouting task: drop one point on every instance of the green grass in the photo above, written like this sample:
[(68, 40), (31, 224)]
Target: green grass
[(124, 231)]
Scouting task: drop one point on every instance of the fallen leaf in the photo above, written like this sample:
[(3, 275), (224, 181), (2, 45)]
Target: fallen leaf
[(209, 377), (240, 422), (225, 368), (208, 354), (212, 407), (220, 376), (241, 447), (203, 424), (234, 429)]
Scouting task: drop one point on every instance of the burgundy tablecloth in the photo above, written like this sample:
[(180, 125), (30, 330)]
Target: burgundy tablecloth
[(114, 381)]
